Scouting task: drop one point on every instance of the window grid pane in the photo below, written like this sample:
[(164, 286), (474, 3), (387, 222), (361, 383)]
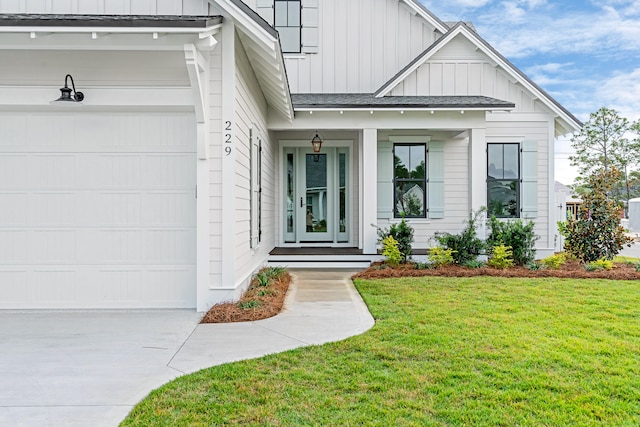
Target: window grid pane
[(410, 178), (287, 20), (503, 180)]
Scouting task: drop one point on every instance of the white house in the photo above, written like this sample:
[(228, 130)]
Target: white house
[(189, 159)]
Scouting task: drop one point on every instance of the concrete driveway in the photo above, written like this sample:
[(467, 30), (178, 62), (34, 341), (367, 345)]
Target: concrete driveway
[(89, 368), (85, 368)]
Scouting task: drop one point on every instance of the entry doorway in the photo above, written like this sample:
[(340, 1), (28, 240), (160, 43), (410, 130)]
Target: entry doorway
[(317, 200)]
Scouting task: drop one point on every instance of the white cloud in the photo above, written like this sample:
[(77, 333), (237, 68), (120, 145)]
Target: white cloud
[(622, 92)]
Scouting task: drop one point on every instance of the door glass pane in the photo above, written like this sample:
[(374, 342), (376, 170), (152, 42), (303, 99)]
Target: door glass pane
[(316, 186), (290, 193), (342, 172)]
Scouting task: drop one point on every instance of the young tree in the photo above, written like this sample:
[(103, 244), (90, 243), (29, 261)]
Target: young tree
[(603, 143), (597, 232)]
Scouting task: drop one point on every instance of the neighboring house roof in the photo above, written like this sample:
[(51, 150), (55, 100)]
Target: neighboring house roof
[(370, 101), (262, 45), (561, 188), (568, 122), (121, 21)]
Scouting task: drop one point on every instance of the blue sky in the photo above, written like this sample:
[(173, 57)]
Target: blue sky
[(586, 54)]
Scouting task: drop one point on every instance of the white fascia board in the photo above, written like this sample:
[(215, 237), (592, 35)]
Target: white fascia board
[(407, 109), (210, 30), (430, 19), (248, 26), (260, 44)]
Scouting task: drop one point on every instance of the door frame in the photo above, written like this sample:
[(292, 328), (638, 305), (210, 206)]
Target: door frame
[(338, 145)]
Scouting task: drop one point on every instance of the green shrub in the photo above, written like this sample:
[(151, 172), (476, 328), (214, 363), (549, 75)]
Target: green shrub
[(391, 251), (402, 233), (474, 263), (554, 262), (596, 232), (516, 234), (638, 267), (247, 305), (423, 266), (501, 257), (600, 264), (263, 279), (440, 257), (534, 266), (466, 245)]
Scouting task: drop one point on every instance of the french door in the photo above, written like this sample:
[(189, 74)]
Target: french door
[(316, 195)]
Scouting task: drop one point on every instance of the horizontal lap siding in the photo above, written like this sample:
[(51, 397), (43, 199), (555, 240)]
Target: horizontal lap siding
[(215, 167), (106, 7), (530, 131), (251, 110), (456, 185)]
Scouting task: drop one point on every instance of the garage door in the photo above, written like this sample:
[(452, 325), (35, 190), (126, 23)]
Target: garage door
[(97, 210)]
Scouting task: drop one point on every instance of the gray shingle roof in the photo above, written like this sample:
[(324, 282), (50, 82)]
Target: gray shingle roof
[(358, 100), (118, 21)]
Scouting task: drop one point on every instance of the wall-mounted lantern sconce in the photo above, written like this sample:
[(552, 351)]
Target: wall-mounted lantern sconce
[(69, 95), (316, 143)]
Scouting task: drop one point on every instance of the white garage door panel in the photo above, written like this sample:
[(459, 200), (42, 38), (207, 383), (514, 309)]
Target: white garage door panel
[(97, 210)]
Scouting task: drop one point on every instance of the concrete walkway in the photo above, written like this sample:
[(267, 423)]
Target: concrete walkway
[(88, 368)]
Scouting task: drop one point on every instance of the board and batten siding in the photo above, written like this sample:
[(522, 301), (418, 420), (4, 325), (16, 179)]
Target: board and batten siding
[(251, 112), (106, 7), (361, 44), (96, 68), (459, 69), (528, 130)]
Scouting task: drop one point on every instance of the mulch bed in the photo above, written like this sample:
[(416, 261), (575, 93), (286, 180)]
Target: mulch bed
[(571, 270), (270, 300)]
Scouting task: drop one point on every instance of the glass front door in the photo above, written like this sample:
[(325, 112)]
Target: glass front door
[(316, 196)]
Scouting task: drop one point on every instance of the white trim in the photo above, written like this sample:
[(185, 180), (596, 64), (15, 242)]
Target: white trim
[(419, 11), (401, 139), (369, 202), (404, 109), (37, 31)]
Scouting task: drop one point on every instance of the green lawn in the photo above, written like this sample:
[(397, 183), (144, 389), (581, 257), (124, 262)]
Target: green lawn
[(444, 352)]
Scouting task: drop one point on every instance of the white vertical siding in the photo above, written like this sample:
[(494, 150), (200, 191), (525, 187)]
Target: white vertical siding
[(108, 7), (362, 44)]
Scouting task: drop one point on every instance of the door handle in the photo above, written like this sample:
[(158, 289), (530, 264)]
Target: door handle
[(301, 204)]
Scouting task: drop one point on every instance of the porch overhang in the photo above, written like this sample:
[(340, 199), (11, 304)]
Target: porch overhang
[(369, 102)]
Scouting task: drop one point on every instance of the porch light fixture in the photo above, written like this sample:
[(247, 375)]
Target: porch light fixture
[(69, 96), (316, 143)]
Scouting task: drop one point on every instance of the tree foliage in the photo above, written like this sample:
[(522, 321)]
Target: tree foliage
[(596, 233), (605, 142)]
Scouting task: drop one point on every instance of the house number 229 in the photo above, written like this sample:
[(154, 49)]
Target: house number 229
[(227, 137)]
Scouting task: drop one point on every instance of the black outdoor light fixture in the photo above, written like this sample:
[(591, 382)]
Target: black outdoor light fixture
[(316, 143), (66, 93)]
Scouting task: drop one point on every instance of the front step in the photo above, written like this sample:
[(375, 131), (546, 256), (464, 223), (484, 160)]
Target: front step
[(322, 261)]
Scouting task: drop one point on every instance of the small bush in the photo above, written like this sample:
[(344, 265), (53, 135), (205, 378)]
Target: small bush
[(554, 262), (423, 266), (402, 233), (391, 251), (534, 266), (516, 234), (466, 245), (474, 263), (501, 257), (248, 305), (601, 264), (440, 257), (263, 279)]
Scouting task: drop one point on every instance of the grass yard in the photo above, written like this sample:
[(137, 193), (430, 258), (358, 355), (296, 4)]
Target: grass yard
[(479, 351)]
